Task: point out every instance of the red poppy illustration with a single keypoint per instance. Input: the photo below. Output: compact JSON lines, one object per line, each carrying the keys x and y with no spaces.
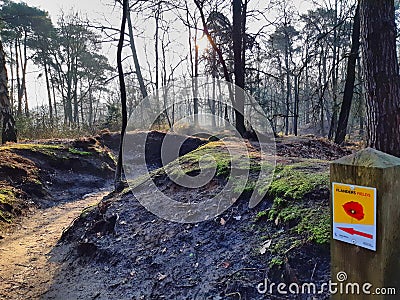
{"x":354,"y":210}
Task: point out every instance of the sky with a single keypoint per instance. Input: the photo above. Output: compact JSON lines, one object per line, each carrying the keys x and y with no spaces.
{"x":104,"y":11}
{"x":95,"y":9}
{"x":99,"y":10}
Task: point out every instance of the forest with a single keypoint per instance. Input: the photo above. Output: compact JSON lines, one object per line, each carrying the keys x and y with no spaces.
{"x":298,"y":64}
{"x":189,"y":149}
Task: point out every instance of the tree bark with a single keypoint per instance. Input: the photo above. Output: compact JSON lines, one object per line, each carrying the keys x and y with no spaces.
{"x":12,"y":78}
{"x":19,"y":97}
{"x":238,"y":56}
{"x":8,"y":130}
{"x":335,"y":75}
{"x":296,"y":105}
{"x":195,"y":83}
{"x":46,"y":73}
{"x":212,"y":106}
{"x":381,"y":69}
{"x":75,"y":92}
{"x":119,"y":182}
{"x":24,"y":65}
{"x":53,"y":88}
{"x":135,"y":58}
{"x":350,"y":79}
{"x":288,"y":87}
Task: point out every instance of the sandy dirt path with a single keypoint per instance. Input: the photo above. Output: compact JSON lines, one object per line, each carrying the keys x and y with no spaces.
{"x":30,"y":257}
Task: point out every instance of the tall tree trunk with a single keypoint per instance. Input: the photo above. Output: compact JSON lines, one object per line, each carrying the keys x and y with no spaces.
{"x":361,"y":104}
{"x":322,"y":78}
{"x":195,"y":83}
{"x":335,"y":75}
{"x":165,"y":87}
{"x":69,"y":87}
{"x":307,"y":102}
{"x":135,"y":58}
{"x":68,"y":100}
{"x":237,"y":37}
{"x":24,"y":68}
{"x":157,"y":19}
{"x":8,"y":130}
{"x":12,"y":78}
{"x":381,"y":69}
{"x":46,"y":73}
{"x":157,"y":54}
{"x":213,"y":74}
{"x":296,"y":105}
{"x":19,"y":96}
{"x":119,"y":182}
{"x":288,"y":90}
{"x":350,"y":79}
{"x":75,"y":97}
{"x":75,"y":90}
{"x":54,"y":99}
{"x":90,"y":117}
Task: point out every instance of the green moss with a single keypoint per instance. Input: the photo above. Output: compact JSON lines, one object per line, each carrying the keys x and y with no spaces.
{"x":35,"y":181}
{"x":261,"y":215}
{"x":303,"y":218}
{"x":216,"y":156}
{"x":276,"y":261}
{"x":79,"y":152}
{"x":7,"y":196}
{"x":316,"y":225}
{"x":5,"y":216}
{"x":289,"y":189}
{"x":297,"y":180}
{"x":85,"y":212}
{"x":52,"y":151}
{"x":210,"y":156}
{"x":134,"y":183}
{"x":309,"y":222}
{"x":33,"y":147}
{"x":111,"y":156}
{"x":6,"y":192}
{"x":7,"y":199}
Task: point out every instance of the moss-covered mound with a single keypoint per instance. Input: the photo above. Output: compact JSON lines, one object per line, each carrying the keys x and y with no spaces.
{"x":300,"y":207}
{"x":286,"y":234}
{"x":298,"y":193}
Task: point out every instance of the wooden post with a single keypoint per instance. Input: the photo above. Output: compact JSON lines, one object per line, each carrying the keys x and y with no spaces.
{"x":380,"y":268}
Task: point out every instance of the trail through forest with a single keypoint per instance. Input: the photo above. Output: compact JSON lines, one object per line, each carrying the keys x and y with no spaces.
{"x":119,"y":250}
{"x":30,"y":257}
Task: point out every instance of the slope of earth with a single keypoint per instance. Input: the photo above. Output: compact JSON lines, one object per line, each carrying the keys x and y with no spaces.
{"x":309,"y":147}
{"x":44,"y":186}
{"x":48,"y":173}
{"x":148,"y":145}
{"x":122,"y":251}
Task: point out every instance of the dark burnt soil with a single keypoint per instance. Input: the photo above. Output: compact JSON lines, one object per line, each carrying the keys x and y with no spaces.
{"x":292,"y":146}
{"x":144,"y":257}
{"x":309,"y":147}
{"x":122,"y":251}
{"x":149,"y":144}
